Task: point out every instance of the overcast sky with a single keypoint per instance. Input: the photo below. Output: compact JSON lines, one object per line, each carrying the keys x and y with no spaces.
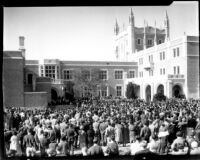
{"x":86,"y":33}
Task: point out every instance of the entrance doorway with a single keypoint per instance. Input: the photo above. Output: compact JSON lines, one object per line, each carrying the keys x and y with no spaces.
{"x":177,"y":91}
{"x":160,"y":89}
{"x":148,"y":94}
{"x":54,"y":95}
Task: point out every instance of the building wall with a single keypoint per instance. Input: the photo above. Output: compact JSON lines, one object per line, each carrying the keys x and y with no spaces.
{"x":193,"y":70}
{"x":43,"y":84}
{"x":111,"y":82}
{"x":35,"y":99}
{"x":188,"y":62}
{"x":13,"y":79}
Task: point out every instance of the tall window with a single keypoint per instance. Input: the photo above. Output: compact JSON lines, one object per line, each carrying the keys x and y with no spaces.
{"x":141,"y":74}
{"x":50,"y":71}
{"x":174,"y":70}
{"x":160,"y":55}
{"x":160,"y":71}
{"x":103,"y":75}
{"x":57,"y":71}
{"x":151,"y":58}
{"x":174,"y":51}
{"x":163,"y":55}
{"x":177,"y":50}
{"x":149,"y":42}
{"x":178,"y":70}
{"x":104,"y":91}
{"x":150,"y":72}
{"x":119,"y":91}
{"x":140,"y":60}
{"x":30,"y":78}
{"x":118,"y":74}
{"x":139,"y":41}
{"x":86,"y":74}
{"x":163,"y":70}
{"x":68,"y":74}
{"x":42,"y":71}
{"x":131,"y":74}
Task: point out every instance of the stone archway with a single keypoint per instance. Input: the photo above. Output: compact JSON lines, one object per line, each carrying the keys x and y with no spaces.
{"x":160,"y":89}
{"x":54,"y":95}
{"x":177,"y":91}
{"x":148,"y":93}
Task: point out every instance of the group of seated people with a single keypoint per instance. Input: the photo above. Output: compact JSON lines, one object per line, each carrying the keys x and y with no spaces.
{"x":104,"y":128}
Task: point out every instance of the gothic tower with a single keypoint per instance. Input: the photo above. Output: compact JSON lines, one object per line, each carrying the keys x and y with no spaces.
{"x":131,"y":30}
{"x":116,"y":28}
{"x":166,"y":24}
{"x":144,"y":38}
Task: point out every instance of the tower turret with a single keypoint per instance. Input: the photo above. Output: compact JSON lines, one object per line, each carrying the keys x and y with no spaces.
{"x":132,"y":32}
{"x":131,"y":19}
{"x":21,"y":45}
{"x":116,"y":28}
{"x":166,"y":24}
{"x":155,"y":36}
{"x":144,"y":38}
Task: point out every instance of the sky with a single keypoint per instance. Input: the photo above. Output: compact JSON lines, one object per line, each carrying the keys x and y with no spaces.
{"x":87,"y":33}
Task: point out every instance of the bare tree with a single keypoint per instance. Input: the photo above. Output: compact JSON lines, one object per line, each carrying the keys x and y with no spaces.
{"x":86,"y":82}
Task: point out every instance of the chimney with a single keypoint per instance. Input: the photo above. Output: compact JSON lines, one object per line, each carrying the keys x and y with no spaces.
{"x":21,"y":45}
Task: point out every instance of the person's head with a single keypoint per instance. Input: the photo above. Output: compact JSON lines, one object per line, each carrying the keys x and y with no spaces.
{"x":45,"y":134}
{"x":113,"y":138}
{"x":14,"y":133}
{"x":63,"y":138}
{"x":138,"y":138}
{"x":194,"y":145}
{"x":154,"y":137}
{"x":179,"y":134}
{"x":143,"y":144}
{"x":146,"y":122}
{"x":95,"y":140}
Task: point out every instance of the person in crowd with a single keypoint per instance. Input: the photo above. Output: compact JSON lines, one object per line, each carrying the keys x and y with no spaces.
{"x":195,"y":149}
{"x":145,"y":153}
{"x":180,"y":145}
{"x":44,"y":143}
{"x":102,"y":128}
{"x":135,"y":146}
{"x":112,"y":147}
{"x":70,"y":133}
{"x":63,"y":148}
{"x":83,"y":141}
{"x":109,"y":132}
{"x":153,"y":145}
{"x":118,"y":132}
{"x":96,"y":149}
{"x":145,"y":131}
{"x":29,"y":143}
{"x":14,"y":144}
{"x":51,"y":151}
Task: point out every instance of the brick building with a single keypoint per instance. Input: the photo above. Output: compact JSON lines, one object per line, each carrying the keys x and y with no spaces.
{"x":38,"y":84}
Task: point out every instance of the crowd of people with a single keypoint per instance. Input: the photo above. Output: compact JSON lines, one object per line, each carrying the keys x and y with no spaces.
{"x":102,"y":127}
